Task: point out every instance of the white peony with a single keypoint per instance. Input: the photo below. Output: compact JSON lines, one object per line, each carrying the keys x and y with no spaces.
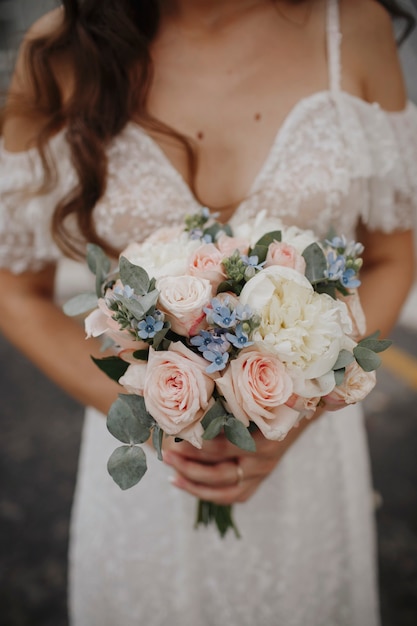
{"x":162,"y":258}
{"x":306,"y":330}
{"x":253,"y":230}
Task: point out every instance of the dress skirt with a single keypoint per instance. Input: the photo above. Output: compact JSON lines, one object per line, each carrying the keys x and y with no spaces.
{"x":306,"y":556}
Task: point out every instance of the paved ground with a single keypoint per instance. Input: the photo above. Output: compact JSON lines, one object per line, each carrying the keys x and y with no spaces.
{"x":38,"y":454}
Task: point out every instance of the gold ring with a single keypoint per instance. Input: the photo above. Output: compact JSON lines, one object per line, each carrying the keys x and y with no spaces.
{"x":240,"y":476}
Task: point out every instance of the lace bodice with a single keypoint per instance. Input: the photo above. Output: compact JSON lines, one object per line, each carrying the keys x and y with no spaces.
{"x":335,"y":160}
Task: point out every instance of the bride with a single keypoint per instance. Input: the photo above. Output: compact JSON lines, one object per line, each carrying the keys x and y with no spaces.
{"x":123,"y":116}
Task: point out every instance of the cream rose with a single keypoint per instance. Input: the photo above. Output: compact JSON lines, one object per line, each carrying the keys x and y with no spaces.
{"x":281,"y":253}
{"x":256,"y":387}
{"x":162,"y":258}
{"x":182,"y":298}
{"x":304,"y":329}
{"x":176,"y":389}
{"x":206,"y":262}
{"x":298,"y":238}
{"x":356,"y":385}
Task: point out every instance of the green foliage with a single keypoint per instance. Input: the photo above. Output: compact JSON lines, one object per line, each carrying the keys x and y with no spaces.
{"x":134,"y":276}
{"x":83,"y":303}
{"x":339,"y":375}
{"x":113,"y":366}
{"x":127,"y":465}
{"x":129,"y":421}
{"x":366,"y":358}
{"x":99,"y":264}
{"x":267,"y":239}
{"x":344,"y":359}
{"x":157,"y":438}
{"x":216,"y":228}
{"x":238,"y":434}
{"x":316,"y":263}
{"x":221,"y":515}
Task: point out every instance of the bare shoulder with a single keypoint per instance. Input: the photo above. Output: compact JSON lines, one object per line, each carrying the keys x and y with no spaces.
{"x":369,"y":44}
{"x":20,"y":129}
{"x":46,"y":24}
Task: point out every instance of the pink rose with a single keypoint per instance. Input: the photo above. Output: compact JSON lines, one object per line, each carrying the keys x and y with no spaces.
{"x":176,"y":388}
{"x":206,"y":262}
{"x":305,"y":406}
{"x":355,"y":387}
{"x":256,"y":387}
{"x":183,"y":298}
{"x":227,"y":245}
{"x":281,"y":253}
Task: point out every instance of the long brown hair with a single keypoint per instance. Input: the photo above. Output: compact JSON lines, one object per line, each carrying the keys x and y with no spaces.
{"x":108,"y":43}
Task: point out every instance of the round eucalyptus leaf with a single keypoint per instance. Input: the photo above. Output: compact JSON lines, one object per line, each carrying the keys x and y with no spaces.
{"x":123,"y":424}
{"x":127,"y":465}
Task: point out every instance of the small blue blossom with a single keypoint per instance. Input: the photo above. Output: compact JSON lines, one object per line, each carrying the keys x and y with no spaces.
{"x":206,"y":341}
{"x":218,"y":360}
{"x":252,"y":261}
{"x":240,"y":339}
{"x":243,"y":312}
{"x":337,"y":242}
{"x":225,"y":318}
{"x":196,"y":233}
{"x":207,"y":239}
{"x":354,"y":249}
{"x":336,"y":266}
{"x":349,"y":279}
{"x":148,"y":327}
{"x":126,"y":291}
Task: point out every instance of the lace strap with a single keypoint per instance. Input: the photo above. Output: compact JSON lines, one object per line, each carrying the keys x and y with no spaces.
{"x":334,"y":38}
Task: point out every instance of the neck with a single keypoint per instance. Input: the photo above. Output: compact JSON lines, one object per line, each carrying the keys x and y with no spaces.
{"x":207,"y":14}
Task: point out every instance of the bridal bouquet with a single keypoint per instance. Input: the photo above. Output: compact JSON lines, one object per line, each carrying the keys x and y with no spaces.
{"x":217,"y":330}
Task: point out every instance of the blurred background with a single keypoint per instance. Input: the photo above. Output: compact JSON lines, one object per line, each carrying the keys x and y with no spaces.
{"x":41,"y":429}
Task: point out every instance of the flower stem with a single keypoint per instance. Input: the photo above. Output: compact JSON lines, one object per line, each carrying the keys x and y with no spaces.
{"x":221,"y":515}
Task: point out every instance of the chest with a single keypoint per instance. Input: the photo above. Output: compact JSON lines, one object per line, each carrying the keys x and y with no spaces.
{"x":230,"y":96}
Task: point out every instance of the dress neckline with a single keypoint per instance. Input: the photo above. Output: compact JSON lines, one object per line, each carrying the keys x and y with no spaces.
{"x":294,"y":115}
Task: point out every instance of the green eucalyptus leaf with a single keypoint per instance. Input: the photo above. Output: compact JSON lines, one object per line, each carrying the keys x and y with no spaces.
{"x":217,"y":228}
{"x":238,"y":434}
{"x":149,"y":300}
{"x":316,"y":263}
{"x":157,"y":438}
{"x":141,"y":355}
{"x":80,"y":304}
{"x":343,"y":360}
{"x":339,"y":375}
{"x":160,"y":336}
{"x":138,"y":407}
{"x":113,"y":366}
{"x":126,"y":426}
{"x":259,"y":251}
{"x":268,"y":238}
{"x":214,"y":428}
{"x":127,"y":465}
{"x":97,"y":260}
{"x":326,"y":287}
{"x":376,"y":345}
{"x":215,"y":411}
{"x":134,"y":276}
{"x":367,"y":359}
{"x":229,"y":285}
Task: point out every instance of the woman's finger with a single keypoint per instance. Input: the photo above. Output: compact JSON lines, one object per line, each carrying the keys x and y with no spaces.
{"x":224,"y":474}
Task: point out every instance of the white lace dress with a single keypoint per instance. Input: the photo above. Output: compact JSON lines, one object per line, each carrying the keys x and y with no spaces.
{"x":307,"y":553}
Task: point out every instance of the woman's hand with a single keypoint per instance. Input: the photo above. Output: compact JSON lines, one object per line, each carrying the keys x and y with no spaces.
{"x":223,"y":473}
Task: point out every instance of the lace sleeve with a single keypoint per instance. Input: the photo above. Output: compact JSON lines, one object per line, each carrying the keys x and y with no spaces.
{"x":26,"y":242}
{"x":392,"y":193}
